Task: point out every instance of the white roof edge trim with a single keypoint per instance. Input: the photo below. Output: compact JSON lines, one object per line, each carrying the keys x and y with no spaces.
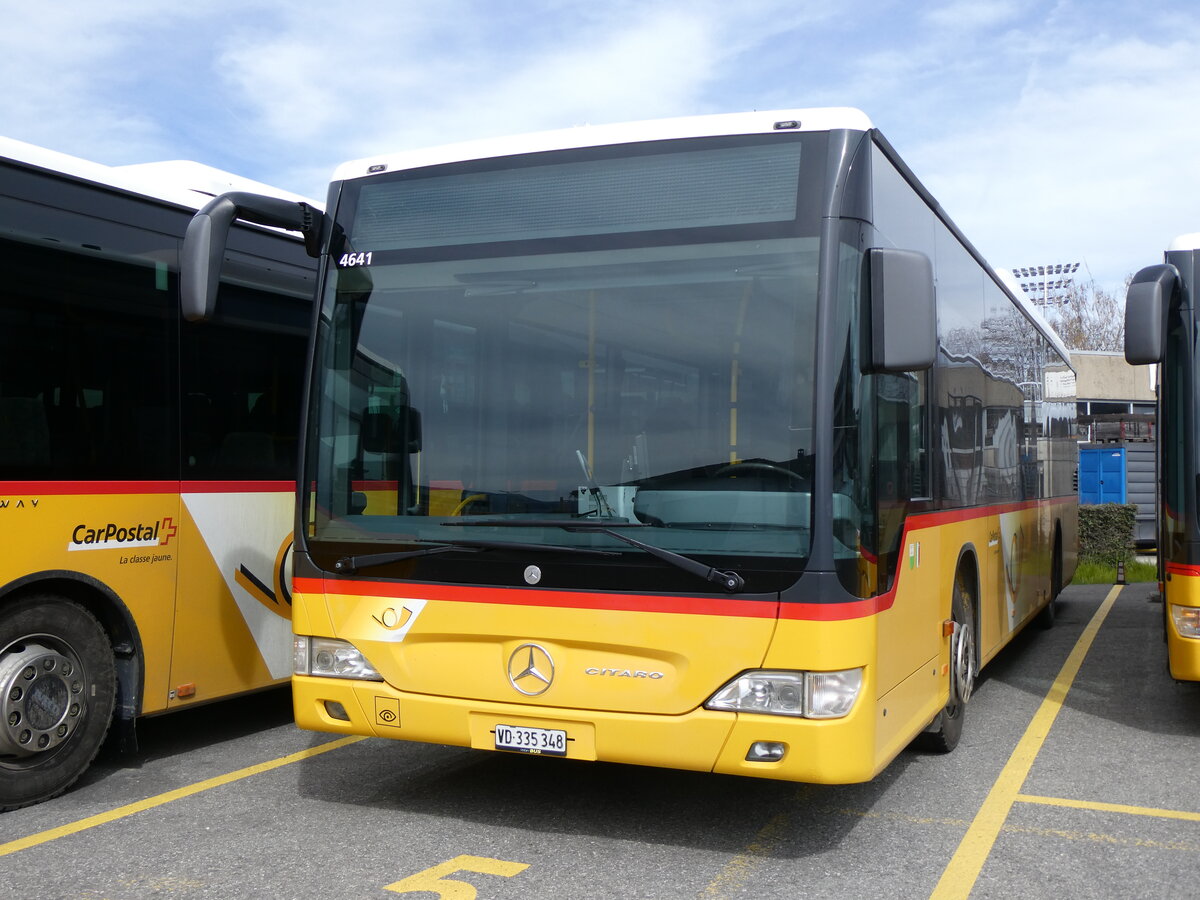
{"x":817,"y":119}
{"x":1189,"y":241}
{"x":1014,"y":288}
{"x":184,"y":182}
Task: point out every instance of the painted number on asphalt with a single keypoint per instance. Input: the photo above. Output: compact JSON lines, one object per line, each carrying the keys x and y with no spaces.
{"x":434,"y":880}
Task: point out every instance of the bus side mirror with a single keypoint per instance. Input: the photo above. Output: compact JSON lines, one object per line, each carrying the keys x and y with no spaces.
{"x":1146,"y":307}
{"x":903,"y":311}
{"x":204,"y":242}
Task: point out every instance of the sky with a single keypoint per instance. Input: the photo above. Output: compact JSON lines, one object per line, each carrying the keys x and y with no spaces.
{"x":1051,"y":131}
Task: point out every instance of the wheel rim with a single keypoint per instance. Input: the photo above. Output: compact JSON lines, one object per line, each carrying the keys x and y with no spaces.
{"x":962,"y":663}
{"x":43,"y":687}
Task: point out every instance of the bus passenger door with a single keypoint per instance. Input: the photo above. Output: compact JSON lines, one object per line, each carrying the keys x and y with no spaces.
{"x":239,"y":424}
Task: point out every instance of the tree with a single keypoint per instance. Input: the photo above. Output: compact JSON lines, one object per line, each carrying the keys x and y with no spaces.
{"x":1090,"y":318}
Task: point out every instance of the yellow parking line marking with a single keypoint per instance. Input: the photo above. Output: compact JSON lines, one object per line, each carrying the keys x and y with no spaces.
{"x":963,"y":870}
{"x":1107,"y":840}
{"x":121,"y":812}
{"x":1111,"y":807}
{"x":739,"y":869}
{"x":1063,"y":834}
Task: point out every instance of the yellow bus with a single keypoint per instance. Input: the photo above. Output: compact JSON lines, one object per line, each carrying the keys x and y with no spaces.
{"x":705,"y":443}
{"x":1160,"y":327}
{"x":147,"y":466}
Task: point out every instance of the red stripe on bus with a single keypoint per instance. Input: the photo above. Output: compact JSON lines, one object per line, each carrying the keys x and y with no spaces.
{"x":237,"y":487}
{"x":813,"y":612}
{"x":704,"y":606}
{"x":871,"y":606}
{"x":825,"y":612}
{"x":1183,"y":569}
{"x":89,"y":487}
{"x":951,"y":516}
{"x":86,"y":488}
{"x":837,"y":612}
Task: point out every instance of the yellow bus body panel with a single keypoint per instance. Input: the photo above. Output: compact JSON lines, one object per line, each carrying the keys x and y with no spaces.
{"x":176,"y":562}
{"x":50,"y":535}
{"x":604,"y":659}
{"x":630,"y":683}
{"x":1183,"y":653}
{"x":233,"y":616}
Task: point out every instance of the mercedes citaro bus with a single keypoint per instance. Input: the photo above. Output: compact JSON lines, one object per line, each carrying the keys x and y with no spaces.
{"x":707,"y":443}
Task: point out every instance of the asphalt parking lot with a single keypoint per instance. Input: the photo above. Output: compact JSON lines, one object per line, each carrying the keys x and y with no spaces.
{"x":1078,"y":776}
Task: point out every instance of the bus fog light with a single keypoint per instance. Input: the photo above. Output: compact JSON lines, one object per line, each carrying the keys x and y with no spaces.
{"x":831,"y":695}
{"x":766,"y":751}
{"x":336,"y":711}
{"x":330,"y":658}
{"x":1187,"y":620}
{"x":773,"y":693}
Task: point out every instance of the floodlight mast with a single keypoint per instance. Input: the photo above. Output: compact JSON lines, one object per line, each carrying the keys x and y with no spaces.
{"x":1047,"y":284}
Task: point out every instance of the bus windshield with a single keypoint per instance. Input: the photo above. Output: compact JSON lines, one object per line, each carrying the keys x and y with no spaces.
{"x":620,"y":334}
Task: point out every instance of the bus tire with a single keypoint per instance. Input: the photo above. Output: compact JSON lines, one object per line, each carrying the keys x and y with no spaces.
{"x":943,"y":734}
{"x":1046,"y":615}
{"x":57,"y":692}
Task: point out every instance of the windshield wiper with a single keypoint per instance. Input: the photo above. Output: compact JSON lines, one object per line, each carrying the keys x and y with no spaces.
{"x":569,"y":524}
{"x":731,"y":581}
{"x":350,"y":564}
{"x":354,"y":563}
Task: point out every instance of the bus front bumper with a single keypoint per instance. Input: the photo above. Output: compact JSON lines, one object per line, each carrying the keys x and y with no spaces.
{"x":837,"y":751}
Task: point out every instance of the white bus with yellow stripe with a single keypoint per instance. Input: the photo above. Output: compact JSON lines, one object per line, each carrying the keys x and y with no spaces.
{"x":147,"y":465}
{"x":705,"y":443}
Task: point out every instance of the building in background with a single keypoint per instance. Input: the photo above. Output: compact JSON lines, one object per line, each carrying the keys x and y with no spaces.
{"x":1116,"y":416}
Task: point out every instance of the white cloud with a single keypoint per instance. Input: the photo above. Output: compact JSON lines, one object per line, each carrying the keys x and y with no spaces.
{"x":1095,"y":160}
{"x":115,"y":82}
{"x":374,"y":77}
{"x":1048,"y":129}
{"x":973,"y":15}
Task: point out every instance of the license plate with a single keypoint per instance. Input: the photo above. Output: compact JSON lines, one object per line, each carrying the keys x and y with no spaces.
{"x":541,"y":741}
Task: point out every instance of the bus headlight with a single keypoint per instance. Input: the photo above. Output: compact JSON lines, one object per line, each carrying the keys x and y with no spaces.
{"x":331,"y":658}
{"x":810,"y":695}
{"x":1187,"y":620}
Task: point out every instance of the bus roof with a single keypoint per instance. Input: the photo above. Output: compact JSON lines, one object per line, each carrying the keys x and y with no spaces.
{"x":603,"y":135}
{"x":183,"y":182}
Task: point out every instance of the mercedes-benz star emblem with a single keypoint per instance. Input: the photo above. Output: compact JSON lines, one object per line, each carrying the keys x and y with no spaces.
{"x":530,"y":669}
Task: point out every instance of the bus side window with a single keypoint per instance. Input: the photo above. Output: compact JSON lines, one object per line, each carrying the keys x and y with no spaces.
{"x":24,"y":434}
{"x":240,"y":420}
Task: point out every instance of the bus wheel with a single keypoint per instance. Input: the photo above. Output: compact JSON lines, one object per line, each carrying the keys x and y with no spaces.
{"x":944,"y":733}
{"x":57,"y":691}
{"x":1045,"y":616}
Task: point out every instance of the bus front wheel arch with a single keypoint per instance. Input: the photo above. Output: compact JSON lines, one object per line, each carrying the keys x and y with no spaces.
{"x":57,"y":694}
{"x":945,"y":731}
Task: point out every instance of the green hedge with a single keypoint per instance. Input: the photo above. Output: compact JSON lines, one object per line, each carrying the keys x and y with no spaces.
{"x":1106,"y":532}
